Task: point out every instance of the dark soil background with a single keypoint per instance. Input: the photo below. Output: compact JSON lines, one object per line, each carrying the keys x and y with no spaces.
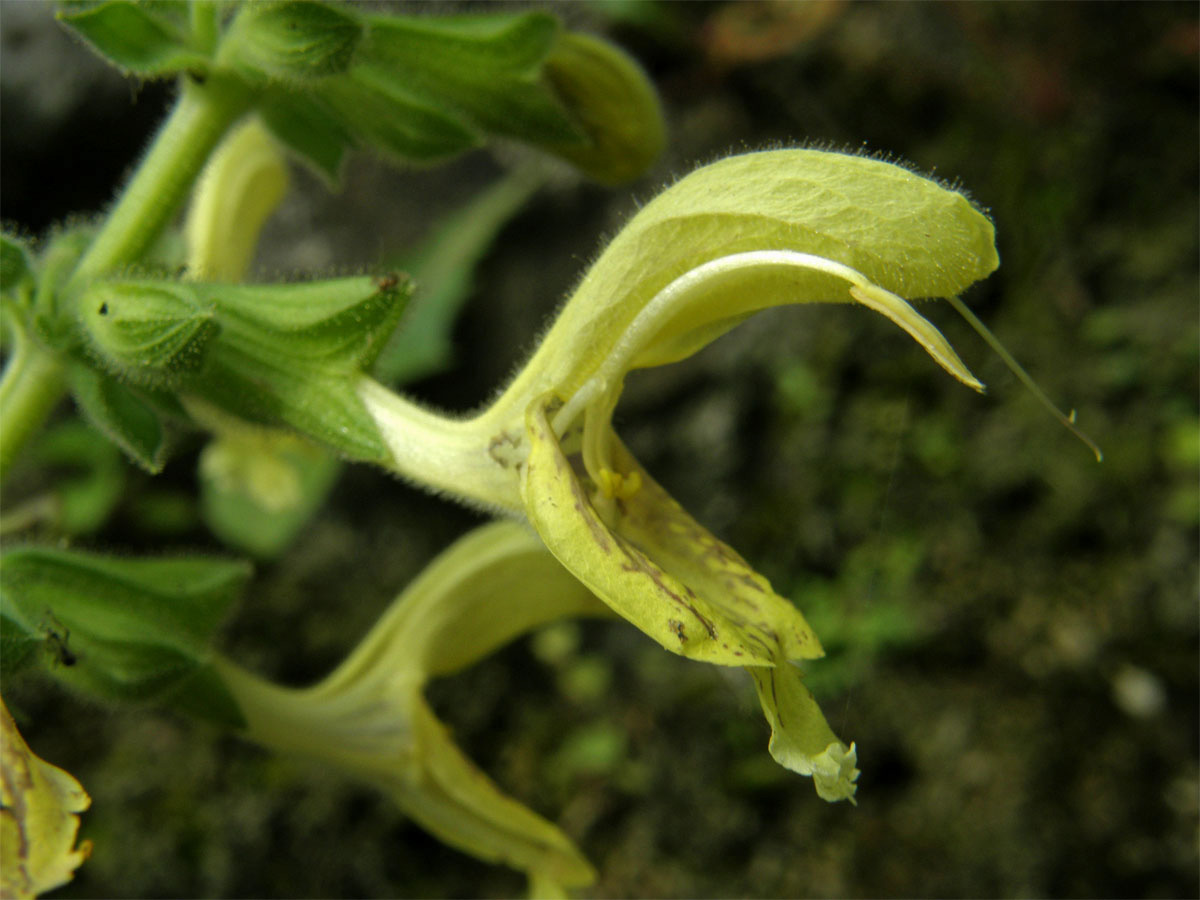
{"x":1012,"y":628}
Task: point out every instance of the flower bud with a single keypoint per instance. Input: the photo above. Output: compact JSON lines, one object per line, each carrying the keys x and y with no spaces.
{"x":613,"y":101}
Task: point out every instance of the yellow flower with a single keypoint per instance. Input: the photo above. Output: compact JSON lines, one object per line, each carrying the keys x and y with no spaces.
{"x":369,"y":718}
{"x":741,"y":235}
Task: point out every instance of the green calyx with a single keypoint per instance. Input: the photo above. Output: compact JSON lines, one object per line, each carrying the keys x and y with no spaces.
{"x":292,"y":41}
{"x":282,"y":355}
{"x":152,"y":334}
{"x":327,"y":78}
{"x":121,"y":630}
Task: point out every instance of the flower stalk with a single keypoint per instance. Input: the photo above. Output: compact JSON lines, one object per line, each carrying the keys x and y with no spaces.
{"x":30,"y":388}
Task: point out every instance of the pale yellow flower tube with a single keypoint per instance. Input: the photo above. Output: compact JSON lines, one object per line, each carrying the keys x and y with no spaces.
{"x":369,"y":718}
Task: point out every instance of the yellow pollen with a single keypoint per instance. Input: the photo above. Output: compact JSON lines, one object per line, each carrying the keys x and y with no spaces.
{"x":614,"y":484}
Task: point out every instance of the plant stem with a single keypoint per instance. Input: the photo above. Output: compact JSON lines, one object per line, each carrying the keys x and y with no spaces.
{"x":31,"y":387}
{"x":201,"y":117}
{"x":33,"y":380}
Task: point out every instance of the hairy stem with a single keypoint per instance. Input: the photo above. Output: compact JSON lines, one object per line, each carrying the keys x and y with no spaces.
{"x":201,"y":117}
{"x":33,"y":380}
{"x":29,"y":390}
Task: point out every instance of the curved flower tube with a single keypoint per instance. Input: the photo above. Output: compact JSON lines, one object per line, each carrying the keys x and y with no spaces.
{"x":741,"y":235}
{"x":369,"y":717}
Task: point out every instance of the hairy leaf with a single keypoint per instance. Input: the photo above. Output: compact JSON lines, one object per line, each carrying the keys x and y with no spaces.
{"x":16,"y":263}
{"x":140,"y":38}
{"x":122,"y":413}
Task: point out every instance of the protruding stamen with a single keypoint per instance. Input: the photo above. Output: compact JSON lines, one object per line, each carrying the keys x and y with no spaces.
{"x":621,"y":487}
{"x":1067,"y":419}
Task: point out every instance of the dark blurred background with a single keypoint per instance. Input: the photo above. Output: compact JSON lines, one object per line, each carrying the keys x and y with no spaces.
{"x":1012,"y":628}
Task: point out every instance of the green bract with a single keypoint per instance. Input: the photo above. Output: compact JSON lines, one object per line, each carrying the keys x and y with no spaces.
{"x":141,"y":38}
{"x":744,"y":234}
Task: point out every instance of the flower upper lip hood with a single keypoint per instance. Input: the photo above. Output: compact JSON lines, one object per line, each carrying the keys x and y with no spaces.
{"x":904,"y":233}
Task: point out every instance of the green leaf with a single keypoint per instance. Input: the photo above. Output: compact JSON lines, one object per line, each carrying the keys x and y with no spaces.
{"x":90,"y":478}
{"x":127,"y":630}
{"x":442,"y":271}
{"x":292,"y":41}
{"x":16,"y":263}
{"x":308,"y":129}
{"x":17,"y":645}
{"x":122,"y":413}
{"x":52,"y":320}
{"x":149,"y":333}
{"x":385,"y":116}
{"x":138,"y":38}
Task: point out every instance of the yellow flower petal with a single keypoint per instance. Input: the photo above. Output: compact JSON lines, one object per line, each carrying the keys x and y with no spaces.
{"x":38,"y":818}
{"x":655,"y":565}
{"x":459,"y":804}
{"x":909,"y":235}
{"x":240,"y":187}
{"x":801,"y":739}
